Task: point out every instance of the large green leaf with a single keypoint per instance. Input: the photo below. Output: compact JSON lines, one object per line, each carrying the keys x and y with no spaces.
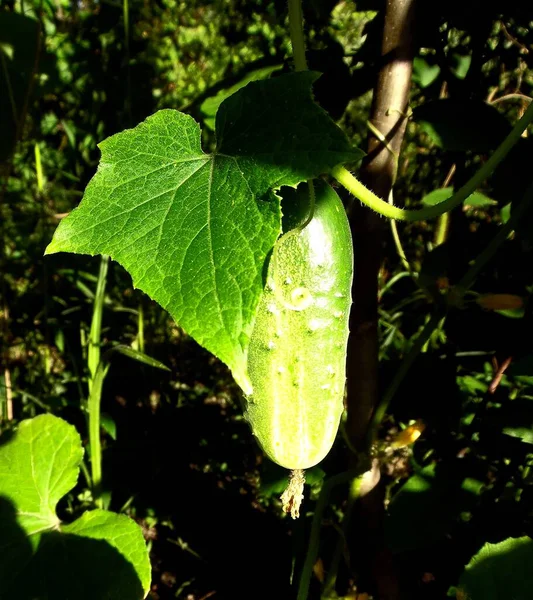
{"x":194,"y":230}
{"x":100,"y":555}
{"x":500,"y":572}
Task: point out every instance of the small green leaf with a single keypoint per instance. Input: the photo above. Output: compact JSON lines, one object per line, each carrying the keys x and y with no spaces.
{"x":461,"y":65}
{"x":505,"y":213}
{"x":437,"y":196}
{"x":512,"y":313}
{"x":109,"y":425}
{"x":424,"y":73}
{"x":195,"y":230}
{"x":100,"y":555}
{"x":473,"y":386}
{"x":500,"y":571}
{"x":479,"y":200}
{"x":475,"y":200}
{"x":139,"y":356}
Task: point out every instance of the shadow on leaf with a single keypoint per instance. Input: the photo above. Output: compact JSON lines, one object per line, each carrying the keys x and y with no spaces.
{"x":61,"y":566}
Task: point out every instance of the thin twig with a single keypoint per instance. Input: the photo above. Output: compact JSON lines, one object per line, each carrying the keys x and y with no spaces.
{"x":499,"y":372}
{"x":515,"y":96}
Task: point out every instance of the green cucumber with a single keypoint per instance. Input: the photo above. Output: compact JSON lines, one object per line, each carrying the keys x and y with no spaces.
{"x":297,"y":353}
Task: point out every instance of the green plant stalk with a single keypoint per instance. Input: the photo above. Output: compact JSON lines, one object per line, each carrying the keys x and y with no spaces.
{"x":140,"y":328}
{"x":97,"y":373}
{"x":393,"y":226}
{"x":314,"y":538}
{"x":95,"y":445}
{"x":399,"y":247}
{"x":398,"y":242}
{"x":126,"y":17}
{"x":331,"y":579}
{"x":93,"y":355}
{"x":385,"y":288}
{"x":40,"y":189}
{"x":296,"y":29}
{"x":86,"y":474}
{"x":39,"y":169}
{"x":364,"y":195}
{"x":442,"y":228}
{"x":378,"y":135}
{"x":40,"y":198}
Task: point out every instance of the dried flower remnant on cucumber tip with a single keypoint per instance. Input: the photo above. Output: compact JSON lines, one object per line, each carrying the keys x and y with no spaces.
{"x":292,"y":497}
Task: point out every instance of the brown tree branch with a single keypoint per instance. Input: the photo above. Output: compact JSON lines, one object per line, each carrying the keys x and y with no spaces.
{"x":389,"y":107}
{"x":388,"y":116}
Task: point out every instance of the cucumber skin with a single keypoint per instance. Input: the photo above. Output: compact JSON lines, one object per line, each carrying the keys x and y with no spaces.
{"x":297,"y":353}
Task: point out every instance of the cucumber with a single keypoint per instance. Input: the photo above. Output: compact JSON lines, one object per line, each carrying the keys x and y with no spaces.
{"x":297,"y":353}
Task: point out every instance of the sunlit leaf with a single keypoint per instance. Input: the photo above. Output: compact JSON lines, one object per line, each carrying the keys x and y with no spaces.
{"x":193,"y":229}
{"x":100,"y":555}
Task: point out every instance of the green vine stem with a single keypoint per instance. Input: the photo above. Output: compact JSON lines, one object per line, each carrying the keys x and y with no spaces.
{"x":97,"y":373}
{"x":398,"y":243}
{"x":364,"y":195}
{"x":296,"y":29}
{"x":340,"y":548}
{"x":95,"y":397}
{"x":140,"y":327}
{"x":314,"y":538}
{"x":126,"y":18}
{"x":442,"y":227}
{"x":93,"y":355}
{"x":393,"y":226}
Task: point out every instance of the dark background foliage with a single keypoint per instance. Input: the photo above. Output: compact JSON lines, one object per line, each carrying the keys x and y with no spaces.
{"x":179,"y":458}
